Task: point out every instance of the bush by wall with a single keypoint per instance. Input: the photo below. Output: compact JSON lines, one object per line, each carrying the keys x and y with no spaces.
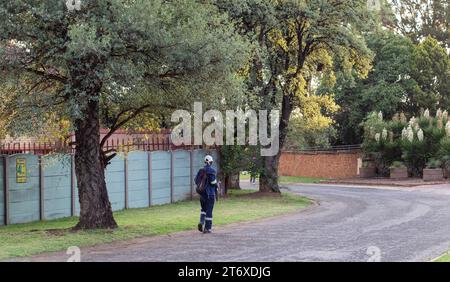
{"x":414,"y":142}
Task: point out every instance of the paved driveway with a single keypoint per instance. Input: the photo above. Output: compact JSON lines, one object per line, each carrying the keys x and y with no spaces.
{"x":348,"y":224}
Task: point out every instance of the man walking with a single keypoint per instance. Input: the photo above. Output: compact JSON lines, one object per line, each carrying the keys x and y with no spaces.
{"x":207,"y":175}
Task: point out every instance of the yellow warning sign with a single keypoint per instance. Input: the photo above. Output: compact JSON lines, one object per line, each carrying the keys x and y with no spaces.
{"x":21,"y":170}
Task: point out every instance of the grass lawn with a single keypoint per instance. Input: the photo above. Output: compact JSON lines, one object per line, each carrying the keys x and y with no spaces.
{"x":299,"y":179}
{"x":289,"y":179}
{"x":32,"y":238}
{"x":444,"y":258}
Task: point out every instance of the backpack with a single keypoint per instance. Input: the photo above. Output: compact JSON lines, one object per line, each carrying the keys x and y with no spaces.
{"x":201,"y":181}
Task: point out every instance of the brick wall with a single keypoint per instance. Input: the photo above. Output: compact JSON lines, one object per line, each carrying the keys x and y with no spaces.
{"x":336,"y":164}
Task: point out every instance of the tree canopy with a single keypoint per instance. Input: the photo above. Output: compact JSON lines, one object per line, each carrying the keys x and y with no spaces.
{"x":154,"y":53}
{"x":405,"y":78}
{"x":418,"y":19}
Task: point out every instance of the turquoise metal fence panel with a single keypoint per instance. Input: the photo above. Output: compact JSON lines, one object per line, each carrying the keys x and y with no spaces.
{"x":181,"y":175}
{"x":160,"y":178}
{"x":57,"y":186}
{"x":215,"y":156}
{"x":138,"y":195}
{"x":198,"y":160}
{"x":115,"y":182}
{"x":24,"y":198}
{"x":2,"y":195}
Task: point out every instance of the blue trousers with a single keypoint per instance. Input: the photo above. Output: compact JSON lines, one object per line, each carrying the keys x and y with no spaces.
{"x":207,"y":206}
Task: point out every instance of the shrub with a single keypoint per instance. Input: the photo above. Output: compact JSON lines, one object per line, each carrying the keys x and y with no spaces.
{"x":444,"y":152}
{"x":397,"y":164}
{"x":415,"y":152}
{"x":367,"y":163}
{"x":415,"y":142}
{"x":381,"y":143}
{"x":434,"y":163}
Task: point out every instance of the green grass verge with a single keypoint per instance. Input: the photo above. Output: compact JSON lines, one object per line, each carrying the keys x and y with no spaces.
{"x":289,"y":179}
{"x":444,"y":258}
{"x":32,"y":238}
{"x":299,"y":179}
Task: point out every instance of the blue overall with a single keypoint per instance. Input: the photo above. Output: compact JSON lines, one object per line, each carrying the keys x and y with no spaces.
{"x":208,"y":198}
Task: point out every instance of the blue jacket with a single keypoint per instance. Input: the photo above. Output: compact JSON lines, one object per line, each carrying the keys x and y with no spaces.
{"x":211,"y":182}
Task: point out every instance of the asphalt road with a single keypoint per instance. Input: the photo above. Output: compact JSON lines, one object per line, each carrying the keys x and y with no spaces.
{"x":347,"y":224}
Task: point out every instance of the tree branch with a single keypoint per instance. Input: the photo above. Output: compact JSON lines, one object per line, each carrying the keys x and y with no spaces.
{"x":47,"y":75}
{"x":135,"y":112}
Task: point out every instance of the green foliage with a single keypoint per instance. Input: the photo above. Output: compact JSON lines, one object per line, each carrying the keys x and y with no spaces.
{"x":405,"y":78}
{"x":383,"y":153}
{"x":397,"y":164}
{"x":421,"y":18}
{"x":234,"y":159}
{"x":387,"y":87}
{"x":379,"y":144}
{"x":367,"y":163}
{"x":434,"y":163}
{"x":296,"y":42}
{"x":303,"y":134}
{"x":135,"y":56}
{"x":444,"y":152}
{"x":415,"y":155}
{"x":433,"y":137}
{"x":415,"y":143}
{"x":431,"y":69}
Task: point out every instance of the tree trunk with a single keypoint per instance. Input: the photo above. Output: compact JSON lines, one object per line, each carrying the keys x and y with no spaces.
{"x":268,"y":180}
{"x":227,"y":184}
{"x":232,"y":182}
{"x":95,"y":208}
{"x":235,"y":181}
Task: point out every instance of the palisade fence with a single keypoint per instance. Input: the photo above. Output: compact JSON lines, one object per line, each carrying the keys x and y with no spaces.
{"x":150,"y":142}
{"x":44,"y":187}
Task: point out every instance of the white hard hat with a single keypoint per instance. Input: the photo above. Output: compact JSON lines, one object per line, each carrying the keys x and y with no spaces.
{"x":208,"y":159}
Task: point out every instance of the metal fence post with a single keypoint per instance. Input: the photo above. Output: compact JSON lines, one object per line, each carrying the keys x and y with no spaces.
{"x":72,"y":184}
{"x":149,"y":179}
{"x":171,"y":177}
{"x":41,"y":188}
{"x":6,"y":188}
{"x":126,"y":180}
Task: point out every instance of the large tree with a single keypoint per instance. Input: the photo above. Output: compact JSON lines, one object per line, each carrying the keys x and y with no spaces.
{"x":306,"y":132}
{"x":389,"y":87}
{"x":297,"y":42}
{"x":405,"y":78}
{"x":418,"y":19}
{"x":431,"y":69}
{"x":111,"y":60}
